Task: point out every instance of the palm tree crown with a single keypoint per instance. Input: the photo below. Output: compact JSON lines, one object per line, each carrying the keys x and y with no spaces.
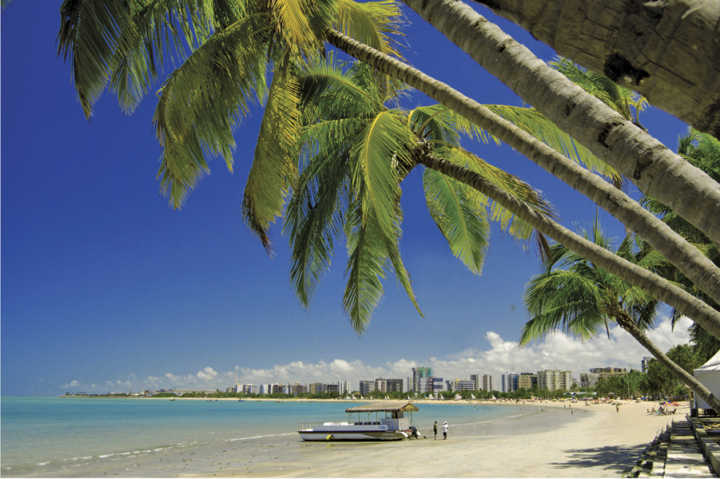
{"x":357,"y":147}
{"x":575,"y":295}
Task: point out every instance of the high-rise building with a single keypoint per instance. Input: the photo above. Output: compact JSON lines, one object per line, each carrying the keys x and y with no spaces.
{"x":461,"y":385}
{"x":607,"y":372}
{"x":435,"y":385}
{"x":250,"y":389}
{"x":394,"y":385}
{"x":554,"y":379}
{"x":420,"y":374}
{"x":475,"y":378}
{"x":381,"y":385}
{"x":527,"y":381}
{"x":296,"y":389}
{"x":317,"y":388}
{"x":333,"y":389}
{"x":487,"y":384}
{"x":510,"y":382}
{"x":366,"y":387}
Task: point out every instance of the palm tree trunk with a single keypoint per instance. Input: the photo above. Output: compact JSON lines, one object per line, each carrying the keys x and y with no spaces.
{"x":657,"y":286}
{"x":657,"y":171}
{"x":667,"y":50}
{"x":700,"y":389}
{"x":687,"y":258}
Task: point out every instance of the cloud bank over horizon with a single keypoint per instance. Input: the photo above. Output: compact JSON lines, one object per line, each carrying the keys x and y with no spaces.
{"x":555,"y":351}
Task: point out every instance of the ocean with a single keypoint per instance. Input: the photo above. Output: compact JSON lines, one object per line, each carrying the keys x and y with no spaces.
{"x":158,"y":437}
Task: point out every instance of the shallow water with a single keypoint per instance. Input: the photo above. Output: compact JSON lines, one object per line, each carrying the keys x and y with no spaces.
{"x":137,"y":437}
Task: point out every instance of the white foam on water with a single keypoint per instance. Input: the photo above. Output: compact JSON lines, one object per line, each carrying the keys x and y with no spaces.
{"x":260,"y":437}
{"x":104,"y":456}
{"x":43,"y":463}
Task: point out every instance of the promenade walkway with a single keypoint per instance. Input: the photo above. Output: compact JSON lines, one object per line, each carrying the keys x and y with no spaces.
{"x":675,"y":453}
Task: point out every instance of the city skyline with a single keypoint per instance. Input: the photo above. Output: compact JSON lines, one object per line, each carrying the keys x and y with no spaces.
{"x":567,"y":351}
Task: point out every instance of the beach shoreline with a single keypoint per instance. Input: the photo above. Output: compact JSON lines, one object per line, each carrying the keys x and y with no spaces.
{"x":524,"y":438}
{"x":599,"y":442}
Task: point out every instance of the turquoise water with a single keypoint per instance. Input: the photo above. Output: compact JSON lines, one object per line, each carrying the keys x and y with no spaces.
{"x":68,"y":436}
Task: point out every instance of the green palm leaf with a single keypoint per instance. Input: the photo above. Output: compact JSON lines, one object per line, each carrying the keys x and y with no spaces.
{"x":436,"y":123}
{"x":546,"y":131}
{"x":313,"y":218}
{"x":331,"y":93}
{"x":90,"y":32}
{"x":375,"y":24}
{"x":384,"y":145}
{"x":274,"y":169}
{"x":562,"y":300}
{"x":509,"y":183}
{"x":460,"y":215}
{"x":299,"y":21}
{"x":125,"y":42}
{"x":203,"y":99}
{"x":365,"y":270}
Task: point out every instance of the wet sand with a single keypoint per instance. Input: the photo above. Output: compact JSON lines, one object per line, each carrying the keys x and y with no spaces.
{"x":597,"y":442}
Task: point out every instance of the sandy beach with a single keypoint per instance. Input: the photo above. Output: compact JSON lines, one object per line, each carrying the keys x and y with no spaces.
{"x":599,"y":442}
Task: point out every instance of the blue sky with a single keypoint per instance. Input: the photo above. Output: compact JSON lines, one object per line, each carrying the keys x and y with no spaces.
{"x":103,"y":281}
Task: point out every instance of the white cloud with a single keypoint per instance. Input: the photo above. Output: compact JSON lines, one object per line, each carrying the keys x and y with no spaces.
{"x":555,"y":351}
{"x":206,"y":374}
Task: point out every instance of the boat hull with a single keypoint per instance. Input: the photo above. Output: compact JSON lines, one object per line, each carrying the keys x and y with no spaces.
{"x":352,"y":435}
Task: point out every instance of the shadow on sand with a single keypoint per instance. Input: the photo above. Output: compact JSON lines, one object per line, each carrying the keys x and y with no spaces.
{"x":612,"y":458}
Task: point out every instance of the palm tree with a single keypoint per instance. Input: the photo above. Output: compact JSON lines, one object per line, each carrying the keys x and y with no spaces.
{"x":200,"y":102}
{"x":703,"y":151}
{"x":576,"y":295}
{"x":636,"y":48}
{"x":576,"y":176}
{"x":357,"y":151}
{"x":372,"y":176}
{"x":226,"y":50}
{"x":656,"y":170}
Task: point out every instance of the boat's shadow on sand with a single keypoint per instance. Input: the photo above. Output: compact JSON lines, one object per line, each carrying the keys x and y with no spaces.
{"x":613,"y":458}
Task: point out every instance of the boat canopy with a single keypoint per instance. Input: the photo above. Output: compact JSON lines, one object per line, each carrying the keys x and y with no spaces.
{"x":384,"y":406}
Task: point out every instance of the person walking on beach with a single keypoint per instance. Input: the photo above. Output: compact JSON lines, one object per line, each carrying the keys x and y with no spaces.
{"x":444,"y":429}
{"x":435,"y":429}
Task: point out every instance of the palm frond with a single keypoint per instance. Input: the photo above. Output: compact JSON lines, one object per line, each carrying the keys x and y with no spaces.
{"x":274,"y":168}
{"x":546,"y":131}
{"x":125,"y":42}
{"x":376,"y":24}
{"x":313,"y":218}
{"x":563,"y":300}
{"x":384,"y":145}
{"x":204,"y":98}
{"x":392,"y":246}
{"x":366,"y":266}
{"x":509,"y":183}
{"x":335,"y":93}
{"x":461,"y":215}
{"x":90,"y":32}
{"x":291,"y":18}
{"x":435,"y":123}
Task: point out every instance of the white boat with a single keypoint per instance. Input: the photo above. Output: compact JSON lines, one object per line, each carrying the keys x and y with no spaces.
{"x":393,"y":425}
